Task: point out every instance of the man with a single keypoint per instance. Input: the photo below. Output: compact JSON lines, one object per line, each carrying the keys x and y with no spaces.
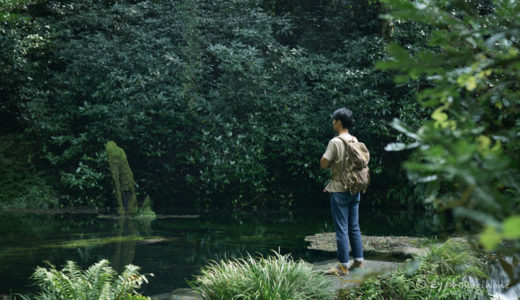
{"x":343,"y":205}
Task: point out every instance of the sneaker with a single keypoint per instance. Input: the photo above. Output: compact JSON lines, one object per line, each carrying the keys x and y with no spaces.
{"x":337,"y":270}
{"x":356,"y":265}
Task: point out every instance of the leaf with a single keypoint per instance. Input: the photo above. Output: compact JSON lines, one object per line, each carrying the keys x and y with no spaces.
{"x":399,"y":125}
{"x":400,"y":146}
{"x":439,"y":115}
{"x":471,"y":84}
{"x":484,"y":143}
{"x":395,"y":147}
{"x":511,"y":227}
{"x":490,"y":238}
{"x":468,"y":81}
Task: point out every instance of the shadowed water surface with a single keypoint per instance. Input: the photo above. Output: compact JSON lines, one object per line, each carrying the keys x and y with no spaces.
{"x":173,"y":248}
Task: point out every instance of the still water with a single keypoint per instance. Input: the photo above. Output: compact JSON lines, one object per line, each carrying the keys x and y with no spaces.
{"x":173,"y":247}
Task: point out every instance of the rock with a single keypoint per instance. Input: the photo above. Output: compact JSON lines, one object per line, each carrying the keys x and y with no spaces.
{"x":123,"y":179}
{"x":412,"y":251}
{"x":179,"y":294}
{"x":378,"y":246}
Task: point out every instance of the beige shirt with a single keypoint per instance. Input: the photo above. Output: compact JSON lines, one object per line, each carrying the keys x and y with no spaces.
{"x":335,"y":154}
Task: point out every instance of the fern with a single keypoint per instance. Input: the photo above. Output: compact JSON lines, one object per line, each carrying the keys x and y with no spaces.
{"x":100,"y":275}
{"x":97,"y":282}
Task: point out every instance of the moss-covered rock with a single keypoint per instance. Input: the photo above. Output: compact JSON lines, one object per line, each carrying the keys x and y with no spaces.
{"x":124,"y":188}
{"x":145,"y":212}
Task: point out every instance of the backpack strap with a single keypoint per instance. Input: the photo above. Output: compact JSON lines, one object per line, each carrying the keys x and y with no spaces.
{"x":345,"y":141}
{"x":352,"y":139}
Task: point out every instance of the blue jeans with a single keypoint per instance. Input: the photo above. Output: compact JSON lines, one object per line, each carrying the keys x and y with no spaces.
{"x":344,"y":207}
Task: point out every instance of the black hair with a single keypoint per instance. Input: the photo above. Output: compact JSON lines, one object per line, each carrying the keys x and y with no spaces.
{"x":345,"y":116}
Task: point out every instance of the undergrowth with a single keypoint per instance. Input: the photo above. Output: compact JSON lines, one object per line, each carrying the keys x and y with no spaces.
{"x":443,"y":273}
{"x":274,"y":277}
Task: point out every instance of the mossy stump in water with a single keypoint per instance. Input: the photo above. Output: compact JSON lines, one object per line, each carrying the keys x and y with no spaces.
{"x":123,"y":180}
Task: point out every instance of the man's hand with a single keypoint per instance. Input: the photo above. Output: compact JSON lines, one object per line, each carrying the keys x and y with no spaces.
{"x":324,"y":163}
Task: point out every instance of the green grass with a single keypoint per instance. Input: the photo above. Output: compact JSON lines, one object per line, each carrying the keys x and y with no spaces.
{"x":275,"y":277}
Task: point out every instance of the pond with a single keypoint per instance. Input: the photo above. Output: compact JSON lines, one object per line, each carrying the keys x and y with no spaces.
{"x":174,"y":247}
{"x":171,"y":247}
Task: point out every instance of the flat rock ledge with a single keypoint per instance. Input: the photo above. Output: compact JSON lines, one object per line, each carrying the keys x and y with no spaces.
{"x":179,"y":294}
{"x":399,"y":247}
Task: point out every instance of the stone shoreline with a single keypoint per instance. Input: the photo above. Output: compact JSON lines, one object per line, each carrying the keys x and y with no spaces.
{"x":397,"y":247}
{"x":354,"y":278}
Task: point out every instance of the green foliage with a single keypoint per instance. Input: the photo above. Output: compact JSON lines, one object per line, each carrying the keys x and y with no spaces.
{"x":509,"y":230}
{"x":226,"y":101}
{"x":9,"y":9}
{"x":443,"y":273}
{"x":145,"y":212}
{"x":468,"y":151}
{"x":99,"y":281}
{"x":453,"y":258}
{"x":23,"y":184}
{"x":274,"y":277}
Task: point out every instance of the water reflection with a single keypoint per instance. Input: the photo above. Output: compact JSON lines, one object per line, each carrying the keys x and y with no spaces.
{"x":125,"y":250}
{"x":175,"y":248}
{"x":171,"y":248}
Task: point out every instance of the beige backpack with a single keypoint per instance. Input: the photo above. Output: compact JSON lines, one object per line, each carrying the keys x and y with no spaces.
{"x":356,"y":160}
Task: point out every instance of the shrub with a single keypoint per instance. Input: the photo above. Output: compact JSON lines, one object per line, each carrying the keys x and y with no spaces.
{"x":23,"y":182}
{"x":443,"y":273}
{"x":467,"y":153}
{"x":145,"y":212}
{"x":99,"y":281}
{"x":259,"y":82}
{"x":274,"y":277}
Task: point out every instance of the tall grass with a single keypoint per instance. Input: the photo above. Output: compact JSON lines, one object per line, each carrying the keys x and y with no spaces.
{"x":99,"y":281}
{"x":452,"y":258}
{"x":275,"y":277}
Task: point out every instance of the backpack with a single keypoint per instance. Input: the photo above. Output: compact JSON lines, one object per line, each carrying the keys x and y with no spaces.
{"x":356,"y":160}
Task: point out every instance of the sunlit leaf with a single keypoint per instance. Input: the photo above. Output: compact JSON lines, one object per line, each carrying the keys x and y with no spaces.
{"x":490,"y":238}
{"x":439,"y":115}
{"x":511,"y":227}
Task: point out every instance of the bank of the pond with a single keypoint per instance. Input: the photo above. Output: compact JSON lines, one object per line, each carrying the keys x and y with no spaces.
{"x":371,"y":268}
{"x":436,"y":268}
{"x":383,"y":247}
{"x":173,"y":246}
{"x":393,"y":249}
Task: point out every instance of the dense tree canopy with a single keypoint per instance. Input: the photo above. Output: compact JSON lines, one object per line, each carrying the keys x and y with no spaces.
{"x":226,"y":103}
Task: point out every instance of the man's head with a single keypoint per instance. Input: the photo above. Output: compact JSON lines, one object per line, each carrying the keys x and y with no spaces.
{"x":343,"y":119}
